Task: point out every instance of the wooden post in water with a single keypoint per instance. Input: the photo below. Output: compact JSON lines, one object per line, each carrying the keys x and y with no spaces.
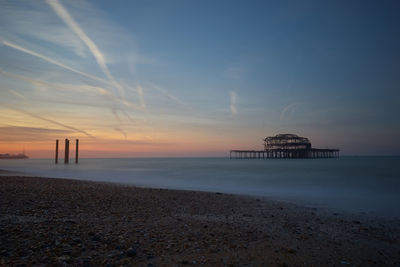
{"x":56,"y":160}
{"x":76,"y":151}
{"x":66,"y":156}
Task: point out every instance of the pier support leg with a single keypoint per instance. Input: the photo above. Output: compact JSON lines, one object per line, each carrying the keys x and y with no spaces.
{"x":76,"y":151}
{"x":56,"y":159}
{"x":66,"y":156}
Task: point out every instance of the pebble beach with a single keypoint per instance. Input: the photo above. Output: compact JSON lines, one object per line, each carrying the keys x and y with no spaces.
{"x":45,"y":221}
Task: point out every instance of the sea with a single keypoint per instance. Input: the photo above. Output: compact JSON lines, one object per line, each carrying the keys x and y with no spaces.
{"x":364,"y":185}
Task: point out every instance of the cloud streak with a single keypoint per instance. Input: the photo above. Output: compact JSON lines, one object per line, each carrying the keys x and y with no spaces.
{"x":167,"y":94}
{"x":233,"y":108}
{"x":16,"y":94}
{"x":67,"y":18}
{"x":139,"y":90}
{"x":74,"y":26}
{"x":25,"y":134}
{"x":52,"y":61}
{"x":118,"y":129}
{"x":287,"y":111}
{"x":32,"y":19}
{"x":61,"y":58}
{"x":51,"y":121}
{"x":100,"y":91}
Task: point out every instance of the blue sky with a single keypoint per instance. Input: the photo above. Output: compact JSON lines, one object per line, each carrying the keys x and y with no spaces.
{"x":168,"y":78}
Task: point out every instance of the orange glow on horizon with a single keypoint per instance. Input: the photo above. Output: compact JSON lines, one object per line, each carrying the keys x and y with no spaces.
{"x":98,"y":148}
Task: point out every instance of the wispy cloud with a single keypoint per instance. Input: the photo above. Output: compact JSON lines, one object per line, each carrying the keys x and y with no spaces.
{"x":127,"y":115}
{"x":164,"y":92}
{"x":16,"y":94}
{"x":50,"y":121}
{"x":31,"y":19}
{"x":233,"y":108}
{"x":78,"y":88}
{"x":65,"y":60}
{"x":100,"y":58}
{"x":26,"y":134}
{"x":118,"y":129}
{"x":141,"y":95}
{"x":34,"y":20}
{"x":75,"y":27}
{"x":288,"y":111}
{"x":50,"y":60}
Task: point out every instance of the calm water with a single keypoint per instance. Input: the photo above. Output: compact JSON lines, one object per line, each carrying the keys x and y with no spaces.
{"x":355,"y":184}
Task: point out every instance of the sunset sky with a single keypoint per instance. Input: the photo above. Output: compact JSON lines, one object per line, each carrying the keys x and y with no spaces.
{"x":198,"y":78}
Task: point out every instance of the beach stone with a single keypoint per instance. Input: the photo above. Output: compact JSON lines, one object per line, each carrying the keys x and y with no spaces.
{"x":64,"y":258}
{"x":115,"y":254}
{"x":67,"y":251}
{"x":4,"y":253}
{"x":131,"y":252}
{"x":86,"y":261}
{"x":209,"y":231}
{"x":96,"y":238}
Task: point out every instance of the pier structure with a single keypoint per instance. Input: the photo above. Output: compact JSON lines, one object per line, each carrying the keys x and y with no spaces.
{"x":285,"y":146}
{"x":56,"y":159}
{"x":66,"y":152}
{"x":76,"y":151}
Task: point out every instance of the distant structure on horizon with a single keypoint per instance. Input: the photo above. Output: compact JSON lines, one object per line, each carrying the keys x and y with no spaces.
{"x":288,"y":146}
{"x":13,"y":156}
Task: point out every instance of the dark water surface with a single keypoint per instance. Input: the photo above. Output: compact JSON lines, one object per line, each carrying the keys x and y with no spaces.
{"x":355,"y":184}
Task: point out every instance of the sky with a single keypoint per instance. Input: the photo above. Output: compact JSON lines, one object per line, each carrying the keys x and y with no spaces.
{"x":198,"y":78}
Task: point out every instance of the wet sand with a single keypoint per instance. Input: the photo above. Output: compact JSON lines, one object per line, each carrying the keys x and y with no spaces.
{"x":46,"y":221}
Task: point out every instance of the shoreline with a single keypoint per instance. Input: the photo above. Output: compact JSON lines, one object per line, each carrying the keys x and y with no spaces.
{"x":56,"y":221}
{"x":348,"y":185}
{"x":322,"y":210}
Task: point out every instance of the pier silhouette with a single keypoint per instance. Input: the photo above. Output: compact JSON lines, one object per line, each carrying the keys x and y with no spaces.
{"x":288,"y":146}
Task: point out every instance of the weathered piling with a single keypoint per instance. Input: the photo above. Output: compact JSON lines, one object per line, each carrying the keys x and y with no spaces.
{"x":76,"y":151}
{"x":56,"y":159}
{"x":66,"y":156}
{"x":313,"y":153}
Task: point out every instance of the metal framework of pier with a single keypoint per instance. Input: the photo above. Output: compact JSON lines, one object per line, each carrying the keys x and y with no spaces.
{"x":289,"y":146}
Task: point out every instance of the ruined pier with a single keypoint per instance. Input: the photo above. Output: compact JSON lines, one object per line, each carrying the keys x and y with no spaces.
{"x":287,"y":146}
